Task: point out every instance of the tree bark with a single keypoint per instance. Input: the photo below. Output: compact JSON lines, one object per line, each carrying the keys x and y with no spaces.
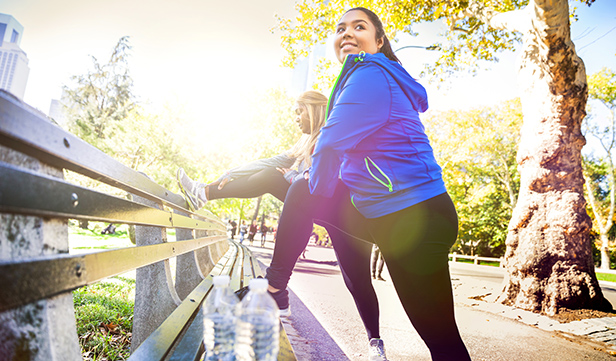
{"x":549,"y":257}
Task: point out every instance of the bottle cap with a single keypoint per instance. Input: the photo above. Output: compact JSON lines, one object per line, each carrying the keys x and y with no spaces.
{"x":258,"y":284}
{"x":222,"y":280}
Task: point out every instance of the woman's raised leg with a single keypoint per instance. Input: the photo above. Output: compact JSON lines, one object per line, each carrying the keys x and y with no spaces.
{"x":269,"y":180}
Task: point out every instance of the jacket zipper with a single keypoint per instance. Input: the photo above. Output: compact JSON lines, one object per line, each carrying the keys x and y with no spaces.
{"x":389,"y":184}
{"x":360,"y":57}
{"x":334,"y":88}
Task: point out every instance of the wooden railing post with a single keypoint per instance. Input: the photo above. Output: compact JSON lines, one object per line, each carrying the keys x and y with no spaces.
{"x":155,"y":295}
{"x":45,"y":329}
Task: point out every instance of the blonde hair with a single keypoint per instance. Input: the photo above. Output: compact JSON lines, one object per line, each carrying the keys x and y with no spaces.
{"x":316,"y":106}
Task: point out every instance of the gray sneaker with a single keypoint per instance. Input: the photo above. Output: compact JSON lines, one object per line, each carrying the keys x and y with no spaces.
{"x":193,"y":191}
{"x":377,"y":350}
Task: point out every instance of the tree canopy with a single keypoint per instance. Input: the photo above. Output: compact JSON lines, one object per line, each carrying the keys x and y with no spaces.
{"x":101,"y":98}
{"x":468,"y":40}
{"x":599,"y":166}
{"x":477,"y":150}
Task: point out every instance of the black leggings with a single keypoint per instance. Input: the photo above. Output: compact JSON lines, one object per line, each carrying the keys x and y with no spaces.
{"x":353,"y":257}
{"x":415,"y":243}
{"x":269,"y":180}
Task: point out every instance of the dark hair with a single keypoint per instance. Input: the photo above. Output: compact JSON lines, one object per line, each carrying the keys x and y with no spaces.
{"x":380,"y":33}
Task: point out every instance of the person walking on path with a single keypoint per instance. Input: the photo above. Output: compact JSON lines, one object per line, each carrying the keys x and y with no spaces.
{"x":273,"y":176}
{"x":243,"y":229}
{"x":233,"y":226}
{"x":252,"y":232}
{"x":263,"y":234}
{"x":373,"y":170}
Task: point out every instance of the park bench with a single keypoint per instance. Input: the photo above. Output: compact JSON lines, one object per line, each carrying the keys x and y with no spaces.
{"x":37,"y":275}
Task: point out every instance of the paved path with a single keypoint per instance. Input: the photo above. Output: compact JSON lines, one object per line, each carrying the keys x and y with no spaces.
{"x":325,"y":324}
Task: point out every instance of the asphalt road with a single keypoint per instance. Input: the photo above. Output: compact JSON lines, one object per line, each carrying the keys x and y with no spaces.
{"x":325,"y":325}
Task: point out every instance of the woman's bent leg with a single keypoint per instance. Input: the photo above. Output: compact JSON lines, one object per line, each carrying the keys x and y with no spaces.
{"x":345,"y":226}
{"x":269,"y":180}
{"x":354,"y":260}
{"x":415,"y":243}
{"x":295,"y":226}
{"x":294,"y":229}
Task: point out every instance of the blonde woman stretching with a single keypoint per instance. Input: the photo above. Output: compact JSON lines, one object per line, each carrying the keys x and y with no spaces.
{"x":270,"y":175}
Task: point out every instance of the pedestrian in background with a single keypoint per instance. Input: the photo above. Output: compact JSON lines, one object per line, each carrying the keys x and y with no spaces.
{"x":263,"y":234}
{"x":243,"y":229}
{"x":252,"y":231}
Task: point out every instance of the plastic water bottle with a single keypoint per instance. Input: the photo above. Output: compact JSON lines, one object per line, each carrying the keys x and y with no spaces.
{"x":258,"y":326}
{"x":219,"y":321}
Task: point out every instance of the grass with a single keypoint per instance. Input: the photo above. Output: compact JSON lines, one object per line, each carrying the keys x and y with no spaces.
{"x":606,"y":276}
{"x":104,"y":313}
{"x":483,"y":263}
{"x":81,"y":240}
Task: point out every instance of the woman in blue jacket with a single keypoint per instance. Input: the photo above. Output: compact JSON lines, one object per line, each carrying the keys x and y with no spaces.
{"x":373,"y":169}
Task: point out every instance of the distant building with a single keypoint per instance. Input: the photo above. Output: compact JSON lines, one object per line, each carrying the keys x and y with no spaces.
{"x":14,"y":68}
{"x":305,"y":70}
{"x":56,"y":112}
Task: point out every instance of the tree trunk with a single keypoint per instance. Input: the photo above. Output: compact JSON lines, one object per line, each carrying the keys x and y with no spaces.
{"x":256,"y":214}
{"x":549,"y":257}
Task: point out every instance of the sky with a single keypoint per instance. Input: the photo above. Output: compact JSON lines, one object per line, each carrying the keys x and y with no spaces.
{"x":210,"y":57}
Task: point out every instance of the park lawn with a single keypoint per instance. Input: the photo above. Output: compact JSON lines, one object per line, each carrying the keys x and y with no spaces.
{"x":606,"y":276}
{"x":609,"y":277}
{"x":483,"y":263}
{"x":90,"y":240}
{"x":104,"y":311}
{"x":104,"y":315}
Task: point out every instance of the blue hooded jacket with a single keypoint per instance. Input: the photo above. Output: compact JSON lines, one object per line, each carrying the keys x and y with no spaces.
{"x":374,"y":141}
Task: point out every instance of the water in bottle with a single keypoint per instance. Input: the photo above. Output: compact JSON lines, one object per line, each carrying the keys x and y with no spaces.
{"x":258,"y":326}
{"x":219,"y":321}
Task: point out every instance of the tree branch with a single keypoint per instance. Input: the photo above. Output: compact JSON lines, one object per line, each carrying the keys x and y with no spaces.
{"x":593,"y":206}
{"x":515,"y":20}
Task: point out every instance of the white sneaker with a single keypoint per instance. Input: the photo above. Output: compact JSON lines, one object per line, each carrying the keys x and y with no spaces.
{"x":193,"y":191}
{"x":376,"y":352}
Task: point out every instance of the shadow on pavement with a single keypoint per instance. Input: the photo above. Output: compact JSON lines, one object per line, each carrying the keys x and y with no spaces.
{"x":310,"y":341}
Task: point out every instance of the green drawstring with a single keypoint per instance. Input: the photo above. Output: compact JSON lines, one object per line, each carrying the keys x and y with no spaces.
{"x":389,"y":185}
{"x":360,"y":56}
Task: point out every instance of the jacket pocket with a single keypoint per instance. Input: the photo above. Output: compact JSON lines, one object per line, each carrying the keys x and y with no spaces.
{"x":378,"y":174}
